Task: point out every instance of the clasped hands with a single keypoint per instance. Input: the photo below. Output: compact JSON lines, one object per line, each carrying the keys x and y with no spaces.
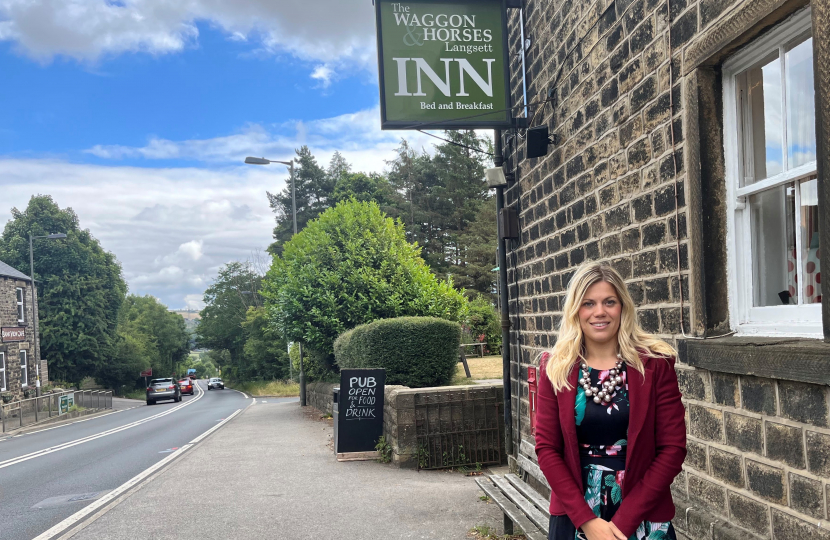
{"x":599,"y":529}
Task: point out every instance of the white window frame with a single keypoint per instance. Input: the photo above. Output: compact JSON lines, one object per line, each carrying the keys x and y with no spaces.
{"x":21,"y":308}
{"x":3,"y":372}
{"x":24,"y":367}
{"x":799,"y":320}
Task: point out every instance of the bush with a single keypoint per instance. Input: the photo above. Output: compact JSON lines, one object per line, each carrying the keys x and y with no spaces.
{"x":484,"y":323}
{"x":415,"y":351}
{"x":352,"y":266}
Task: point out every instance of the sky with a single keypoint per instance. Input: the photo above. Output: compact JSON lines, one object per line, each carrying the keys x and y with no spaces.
{"x":138,"y":115}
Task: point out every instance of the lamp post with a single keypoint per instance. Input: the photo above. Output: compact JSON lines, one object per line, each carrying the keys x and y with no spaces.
{"x":54,"y":236}
{"x":290,"y":165}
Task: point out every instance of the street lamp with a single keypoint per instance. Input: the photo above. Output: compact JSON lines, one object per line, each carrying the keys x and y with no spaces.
{"x":262,"y":161}
{"x":54,"y":236}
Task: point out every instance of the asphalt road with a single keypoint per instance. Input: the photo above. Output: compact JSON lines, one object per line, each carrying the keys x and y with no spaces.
{"x":41,"y":472}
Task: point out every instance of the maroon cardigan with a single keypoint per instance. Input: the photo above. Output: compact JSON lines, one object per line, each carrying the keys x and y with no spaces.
{"x":655,"y":453}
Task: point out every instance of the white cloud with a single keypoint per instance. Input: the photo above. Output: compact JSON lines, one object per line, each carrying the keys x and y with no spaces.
{"x":338,"y":33}
{"x":171,"y":229}
{"x":355,"y":135}
{"x":192,"y":249}
{"x":324,"y":74}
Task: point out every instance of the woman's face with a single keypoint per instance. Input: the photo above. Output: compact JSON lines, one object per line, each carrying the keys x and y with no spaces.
{"x":600,"y":313}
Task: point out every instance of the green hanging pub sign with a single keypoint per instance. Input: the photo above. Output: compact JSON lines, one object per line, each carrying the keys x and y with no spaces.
{"x":443,"y":64}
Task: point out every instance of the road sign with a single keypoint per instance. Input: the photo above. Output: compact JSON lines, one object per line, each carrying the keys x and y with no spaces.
{"x":67,"y":402}
{"x":146,"y":373}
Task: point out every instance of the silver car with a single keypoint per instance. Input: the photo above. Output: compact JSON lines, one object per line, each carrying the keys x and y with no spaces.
{"x":215,"y":382}
{"x":163,"y":389}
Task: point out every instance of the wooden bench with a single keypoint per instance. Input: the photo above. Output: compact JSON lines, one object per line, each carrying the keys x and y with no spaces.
{"x":522,"y":505}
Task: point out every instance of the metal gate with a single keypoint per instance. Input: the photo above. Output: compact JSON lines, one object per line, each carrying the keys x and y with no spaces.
{"x":459,"y":428}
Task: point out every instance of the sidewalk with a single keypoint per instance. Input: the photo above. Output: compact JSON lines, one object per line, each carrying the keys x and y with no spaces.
{"x":270,"y":473}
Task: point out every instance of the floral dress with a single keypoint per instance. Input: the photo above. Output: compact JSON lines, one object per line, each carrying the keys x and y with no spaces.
{"x":602,"y":431}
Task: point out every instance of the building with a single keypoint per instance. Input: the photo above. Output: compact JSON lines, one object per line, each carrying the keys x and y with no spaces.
{"x":693,"y":154}
{"x":19,"y":354}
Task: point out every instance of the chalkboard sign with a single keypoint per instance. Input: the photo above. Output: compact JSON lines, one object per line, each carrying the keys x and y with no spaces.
{"x":360,"y":418}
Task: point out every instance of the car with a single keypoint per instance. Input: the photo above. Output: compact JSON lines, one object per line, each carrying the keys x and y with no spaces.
{"x":163,"y":389}
{"x":215,"y":382}
{"x":187,"y":386}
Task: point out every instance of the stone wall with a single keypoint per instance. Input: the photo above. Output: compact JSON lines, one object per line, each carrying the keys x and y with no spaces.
{"x":399,"y":414}
{"x":400,"y":418}
{"x":631,"y":88}
{"x":320,"y":396}
{"x":8,"y":317}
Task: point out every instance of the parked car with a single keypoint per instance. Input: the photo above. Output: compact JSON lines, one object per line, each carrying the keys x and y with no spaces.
{"x":163,"y":389}
{"x":187,"y":386}
{"x":215,"y":382}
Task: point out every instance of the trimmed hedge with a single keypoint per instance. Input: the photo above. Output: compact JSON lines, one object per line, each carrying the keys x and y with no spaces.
{"x":415,"y":351}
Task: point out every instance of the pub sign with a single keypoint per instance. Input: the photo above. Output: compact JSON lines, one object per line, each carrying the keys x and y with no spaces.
{"x":443,"y":65}
{"x":9,"y":334}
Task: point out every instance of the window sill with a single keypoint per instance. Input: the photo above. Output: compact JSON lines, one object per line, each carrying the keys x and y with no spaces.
{"x":791,"y":359}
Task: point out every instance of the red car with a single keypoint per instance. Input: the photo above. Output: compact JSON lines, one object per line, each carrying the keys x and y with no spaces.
{"x":187,"y":386}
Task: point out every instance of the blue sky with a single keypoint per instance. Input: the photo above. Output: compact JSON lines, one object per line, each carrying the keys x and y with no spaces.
{"x":138,"y":114}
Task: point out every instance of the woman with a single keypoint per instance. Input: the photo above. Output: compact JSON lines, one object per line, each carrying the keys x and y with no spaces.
{"x":610,"y":430}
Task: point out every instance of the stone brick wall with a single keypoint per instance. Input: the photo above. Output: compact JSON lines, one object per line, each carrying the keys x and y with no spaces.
{"x":400,"y":419}
{"x":623,"y":184}
{"x":8,"y":317}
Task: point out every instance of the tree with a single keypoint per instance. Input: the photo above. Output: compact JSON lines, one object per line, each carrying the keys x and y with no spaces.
{"x":367,"y":187}
{"x":266,"y":352}
{"x":351,"y":266}
{"x":477,"y":244}
{"x":236,"y":288}
{"x":313,"y":188}
{"x":80,"y":288}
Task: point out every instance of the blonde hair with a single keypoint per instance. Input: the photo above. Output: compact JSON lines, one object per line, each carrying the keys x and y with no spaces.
{"x":632,"y":339}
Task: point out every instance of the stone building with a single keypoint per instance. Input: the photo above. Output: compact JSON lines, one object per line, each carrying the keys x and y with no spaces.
{"x":19,"y":369}
{"x":689,"y":154}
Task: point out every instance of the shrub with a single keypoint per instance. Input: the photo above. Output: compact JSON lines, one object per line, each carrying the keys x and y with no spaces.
{"x":484,"y":323}
{"x":415,"y":351}
{"x":351,"y":266}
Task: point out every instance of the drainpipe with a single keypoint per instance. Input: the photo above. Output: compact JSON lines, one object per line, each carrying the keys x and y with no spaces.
{"x":505,"y":317}
{"x":821,"y":80}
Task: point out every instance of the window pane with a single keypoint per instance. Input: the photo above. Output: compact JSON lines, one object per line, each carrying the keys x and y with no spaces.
{"x":763,"y":125}
{"x":801,"y":114}
{"x":20,"y":313}
{"x":811,"y":293}
{"x":773,"y":246}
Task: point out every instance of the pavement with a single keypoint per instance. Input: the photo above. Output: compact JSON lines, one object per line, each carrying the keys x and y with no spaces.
{"x":270,"y":473}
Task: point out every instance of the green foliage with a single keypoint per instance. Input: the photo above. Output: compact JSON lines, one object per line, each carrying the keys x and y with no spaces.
{"x":148,"y":336}
{"x":384,"y":450}
{"x":227,"y":300}
{"x":313,"y":188}
{"x":201,"y":362}
{"x":351,"y":266}
{"x":265,"y":351}
{"x":80,"y":287}
{"x":442,"y":196}
{"x":478,"y":243}
{"x":415,"y":351}
{"x":483,"y":323}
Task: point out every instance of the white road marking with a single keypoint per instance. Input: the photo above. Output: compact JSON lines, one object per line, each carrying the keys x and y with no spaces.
{"x":70,"y":444}
{"x":81,"y":514}
{"x":78,"y":516}
{"x":70,"y":423}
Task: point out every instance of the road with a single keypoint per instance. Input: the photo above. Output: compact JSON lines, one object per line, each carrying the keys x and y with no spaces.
{"x":41,"y":472}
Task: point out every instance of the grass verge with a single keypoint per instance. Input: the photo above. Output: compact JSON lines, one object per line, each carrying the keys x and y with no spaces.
{"x":268,"y":388}
{"x":489,"y":367}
